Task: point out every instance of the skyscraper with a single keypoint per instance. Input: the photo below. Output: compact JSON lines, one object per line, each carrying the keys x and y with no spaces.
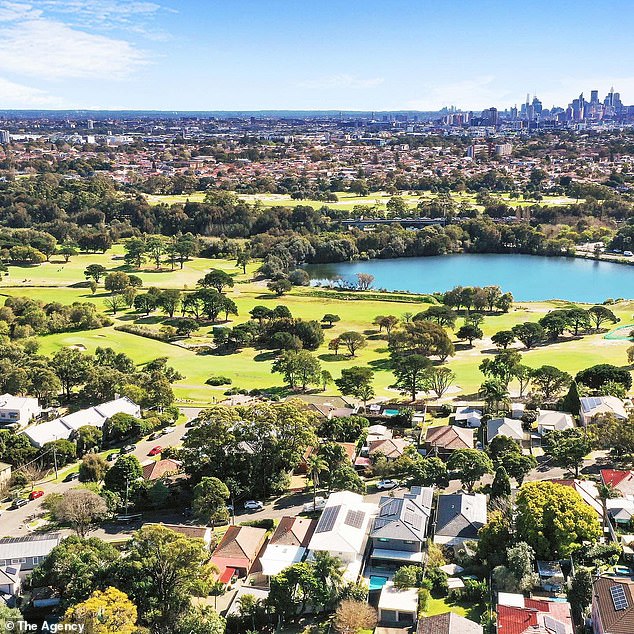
{"x":5,"y":137}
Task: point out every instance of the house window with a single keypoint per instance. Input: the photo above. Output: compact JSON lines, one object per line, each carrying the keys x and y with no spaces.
{"x":3,"y":562}
{"x":15,"y":561}
{"x":410,"y":541}
{"x":383,"y":539}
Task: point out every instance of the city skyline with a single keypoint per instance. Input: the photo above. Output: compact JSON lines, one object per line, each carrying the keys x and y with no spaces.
{"x":245,"y":55}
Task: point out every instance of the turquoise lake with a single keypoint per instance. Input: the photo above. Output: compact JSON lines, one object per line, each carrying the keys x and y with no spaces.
{"x":528,"y":277}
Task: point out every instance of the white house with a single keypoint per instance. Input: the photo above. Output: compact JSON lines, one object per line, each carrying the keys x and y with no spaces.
{"x":18,"y":409}
{"x":342,"y":530}
{"x":62,"y":428}
{"x":550,"y":420}
{"x":592,"y":406}
{"x":505,"y":427}
{"x":10,"y":580}
{"x":398,"y":607}
{"x":468,"y":416}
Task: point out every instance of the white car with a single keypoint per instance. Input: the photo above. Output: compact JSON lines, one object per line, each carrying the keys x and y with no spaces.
{"x":319,"y":505}
{"x":253,"y":505}
{"x":382,"y":485}
{"x":168,"y":430}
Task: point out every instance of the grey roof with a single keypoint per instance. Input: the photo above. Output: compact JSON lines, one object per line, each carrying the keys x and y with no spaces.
{"x":31,"y":546}
{"x":447,"y":623}
{"x":404,"y":518}
{"x":461,"y":515}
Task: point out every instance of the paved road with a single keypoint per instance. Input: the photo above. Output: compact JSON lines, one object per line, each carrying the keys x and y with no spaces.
{"x":14,"y":522}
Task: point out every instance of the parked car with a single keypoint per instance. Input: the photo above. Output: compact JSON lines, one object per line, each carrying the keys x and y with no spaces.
{"x":154,"y":435}
{"x":19,"y":502}
{"x":627,"y":254}
{"x":155,"y":451}
{"x":383,"y":485}
{"x":168,"y":430}
{"x":112,"y":456}
{"x":72,"y":476}
{"x":38,"y":493}
{"x":319,"y":505}
{"x":193,"y":422}
{"x":253,"y":505}
{"x":127,"y":449}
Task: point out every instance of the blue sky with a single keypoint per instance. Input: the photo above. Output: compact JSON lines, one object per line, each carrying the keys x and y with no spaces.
{"x":309,"y":54}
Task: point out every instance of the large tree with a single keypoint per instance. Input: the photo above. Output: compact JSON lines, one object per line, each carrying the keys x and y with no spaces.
{"x":210,"y":500}
{"x":76,"y":568}
{"x":469,"y":465}
{"x":554,"y":520}
{"x":411,"y":373}
{"x":161,"y":571}
{"x":550,"y":381}
{"x":80,"y":509}
{"x":567,"y":448}
{"x":105,"y":612}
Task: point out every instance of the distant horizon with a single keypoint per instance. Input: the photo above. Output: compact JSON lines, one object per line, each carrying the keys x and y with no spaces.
{"x":333,"y":55}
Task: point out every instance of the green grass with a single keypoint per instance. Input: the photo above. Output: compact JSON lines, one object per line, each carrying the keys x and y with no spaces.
{"x":348,"y":201}
{"x":251,"y":368}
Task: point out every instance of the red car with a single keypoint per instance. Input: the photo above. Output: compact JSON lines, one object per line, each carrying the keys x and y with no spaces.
{"x":38,"y":493}
{"x":155,"y":451}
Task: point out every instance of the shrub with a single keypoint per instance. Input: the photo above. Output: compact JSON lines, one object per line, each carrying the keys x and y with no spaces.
{"x":218,"y":380}
{"x":268,"y":524}
{"x":143,"y":331}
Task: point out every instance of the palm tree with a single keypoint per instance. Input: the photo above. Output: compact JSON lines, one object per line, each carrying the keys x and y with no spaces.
{"x":316,"y":464}
{"x":329,"y":572}
{"x":494,"y":394}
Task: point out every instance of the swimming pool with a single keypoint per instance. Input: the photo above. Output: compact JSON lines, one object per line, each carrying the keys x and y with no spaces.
{"x":390,"y":412}
{"x":377,"y":582}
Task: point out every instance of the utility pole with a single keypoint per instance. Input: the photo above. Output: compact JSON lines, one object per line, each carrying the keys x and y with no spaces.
{"x":55,"y":460}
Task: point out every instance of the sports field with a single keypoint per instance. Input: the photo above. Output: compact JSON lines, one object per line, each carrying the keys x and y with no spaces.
{"x":348,"y":201}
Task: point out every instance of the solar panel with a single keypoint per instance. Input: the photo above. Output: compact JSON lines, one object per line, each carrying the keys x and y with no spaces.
{"x":391,"y":508}
{"x":413,"y":519}
{"x":618,"y":598}
{"x":327,"y":519}
{"x":354,"y":519}
{"x":554,"y":625}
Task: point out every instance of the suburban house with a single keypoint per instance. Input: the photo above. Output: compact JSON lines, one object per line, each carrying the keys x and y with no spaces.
{"x":329,"y":406}
{"x":592,"y":406}
{"x":391,"y":448}
{"x":447,"y":623}
{"x":377,"y":432}
{"x":5,"y":474}
{"x":62,"y":428}
{"x":18,"y":409}
{"x":509,"y":427}
{"x":399,"y":531}
{"x":27,"y":551}
{"x":517,"y":614}
{"x":10,"y":581}
{"x":349,"y":448}
{"x":398,"y":607}
{"x":517,"y":409}
{"x":550,"y":420}
{"x":620,"y":510}
{"x":238,"y":551}
{"x":459,"y":517}
{"x":157,"y":469}
{"x":287,"y":545}
{"x":342,"y":530}
{"x":445,"y":439}
{"x":612,"y":605}
{"x":620,"y":480}
{"x":468,"y":416}
{"x":206,"y":533}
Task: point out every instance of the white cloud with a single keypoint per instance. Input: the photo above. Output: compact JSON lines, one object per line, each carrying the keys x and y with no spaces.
{"x":475,"y":93}
{"x":342,"y":81}
{"x":52,"y":50}
{"x":18,"y":96}
{"x":11,"y":11}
